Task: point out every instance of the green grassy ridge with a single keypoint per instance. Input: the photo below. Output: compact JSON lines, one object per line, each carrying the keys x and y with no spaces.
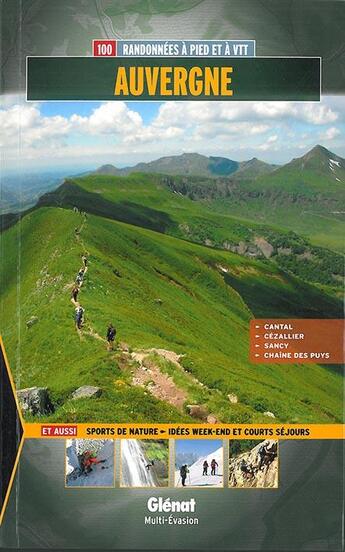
{"x":313,"y":222}
{"x":146,"y":201}
{"x":199,"y":314}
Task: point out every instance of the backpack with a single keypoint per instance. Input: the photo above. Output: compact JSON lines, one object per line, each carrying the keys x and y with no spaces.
{"x":111,"y":333}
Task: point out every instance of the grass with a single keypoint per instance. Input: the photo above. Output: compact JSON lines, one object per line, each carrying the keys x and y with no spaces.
{"x":159,"y":291}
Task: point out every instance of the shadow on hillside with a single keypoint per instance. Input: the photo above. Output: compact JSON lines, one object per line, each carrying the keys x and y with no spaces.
{"x":70,"y":195}
{"x":292,"y":299}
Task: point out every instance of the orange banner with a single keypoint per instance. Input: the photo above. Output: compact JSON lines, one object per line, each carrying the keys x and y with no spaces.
{"x":185,"y":431}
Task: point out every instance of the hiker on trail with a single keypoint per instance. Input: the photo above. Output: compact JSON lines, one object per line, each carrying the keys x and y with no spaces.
{"x":75,"y":292}
{"x":266,"y":455}
{"x":205,"y":468}
{"x":111,"y":333}
{"x":80,"y":277}
{"x":87,"y":460}
{"x":183,"y":473}
{"x":149,"y":465}
{"x":79,"y":317}
{"x":77,"y":231}
{"x":246,"y":470}
{"x":214,"y":465}
{"x":75,"y":209}
{"x":85,"y":260}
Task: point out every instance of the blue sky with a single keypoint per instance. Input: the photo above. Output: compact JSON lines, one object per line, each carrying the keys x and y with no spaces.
{"x":201,"y":447}
{"x":77,"y":135}
{"x":147,"y":110}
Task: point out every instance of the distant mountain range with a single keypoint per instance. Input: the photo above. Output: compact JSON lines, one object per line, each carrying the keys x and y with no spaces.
{"x":194,"y":164}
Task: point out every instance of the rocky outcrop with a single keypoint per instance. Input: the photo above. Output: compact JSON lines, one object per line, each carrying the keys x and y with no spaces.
{"x":32,"y":321}
{"x":212,"y":419}
{"x":87,"y":392}
{"x":233,"y":398}
{"x":246,"y":249}
{"x":265,"y":247}
{"x":35,"y":400}
{"x":198,"y":411}
{"x":255,"y":469}
{"x":269,"y":414}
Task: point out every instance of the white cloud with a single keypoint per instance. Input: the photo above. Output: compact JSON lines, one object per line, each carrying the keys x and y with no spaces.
{"x":330,"y":133}
{"x":115,"y":130}
{"x":269,"y":143}
{"x":109,"y":118}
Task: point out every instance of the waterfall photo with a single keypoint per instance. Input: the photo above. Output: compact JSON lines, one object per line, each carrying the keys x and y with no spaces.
{"x":89,"y":463}
{"x":144,"y":463}
{"x":198,"y":463}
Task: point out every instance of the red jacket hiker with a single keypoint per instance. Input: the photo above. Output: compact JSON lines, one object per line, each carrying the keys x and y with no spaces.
{"x":88,"y":459}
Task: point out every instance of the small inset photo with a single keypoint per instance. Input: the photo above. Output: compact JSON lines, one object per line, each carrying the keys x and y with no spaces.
{"x":253,"y":464}
{"x":144,"y":463}
{"x":198,"y":463}
{"x":90,"y":463}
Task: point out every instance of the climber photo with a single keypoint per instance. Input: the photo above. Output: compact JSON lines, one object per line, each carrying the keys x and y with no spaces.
{"x":89,"y":463}
{"x":144,"y":463}
{"x":198,"y":463}
{"x":253,"y":464}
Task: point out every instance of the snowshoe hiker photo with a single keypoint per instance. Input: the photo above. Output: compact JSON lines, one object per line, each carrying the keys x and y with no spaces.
{"x":87,"y":460}
{"x":79,"y":317}
{"x":214,"y":465}
{"x":74,"y":294}
{"x":183,"y":473}
{"x":111,"y":333}
{"x":205,"y":468}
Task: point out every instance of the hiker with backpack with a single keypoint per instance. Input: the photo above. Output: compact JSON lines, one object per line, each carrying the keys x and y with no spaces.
{"x":74,"y":295}
{"x":111,"y":333}
{"x":85,"y":260}
{"x":183,"y":473}
{"x":79,"y":317}
{"x":266,"y":455}
{"x":80,"y":277}
{"x":214,"y":465}
{"x":205,"y":468}
{"x":247,"y":471}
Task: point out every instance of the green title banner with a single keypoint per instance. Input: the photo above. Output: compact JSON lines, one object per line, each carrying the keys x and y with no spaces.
{"x":95,"y":78}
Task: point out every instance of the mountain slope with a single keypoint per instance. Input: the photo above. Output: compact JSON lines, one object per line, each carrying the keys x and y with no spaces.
{"x":194,"y":164}
{"x":160,"y":292}
{"x":306,"y":195}
{"x":164,"y":204}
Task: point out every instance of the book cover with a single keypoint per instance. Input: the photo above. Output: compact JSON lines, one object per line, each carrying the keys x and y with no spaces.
{"x":172,"y":256}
